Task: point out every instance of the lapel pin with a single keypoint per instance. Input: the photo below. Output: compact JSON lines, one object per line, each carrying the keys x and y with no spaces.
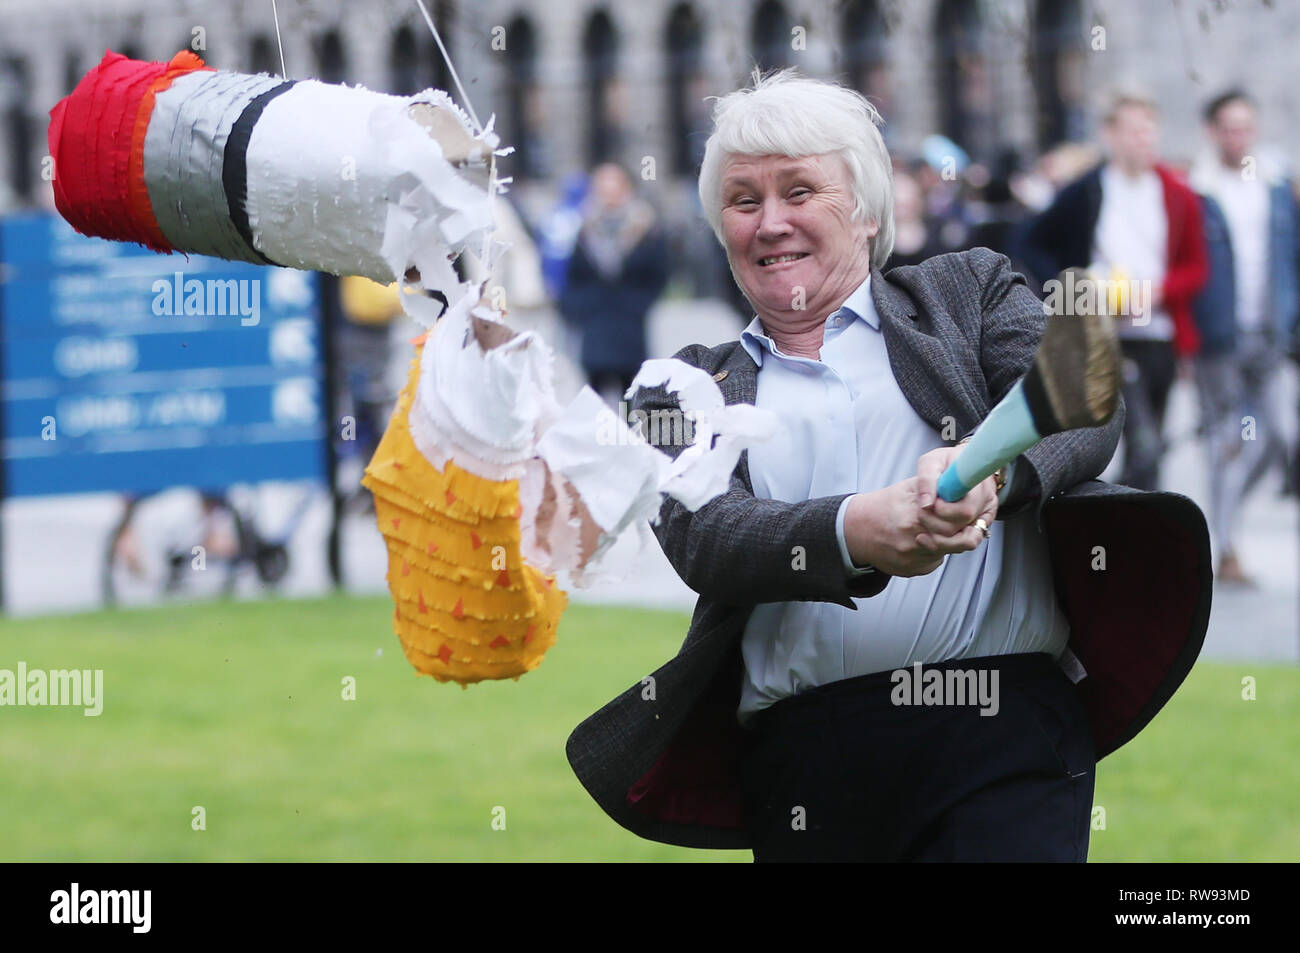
{"x":720,"y":375}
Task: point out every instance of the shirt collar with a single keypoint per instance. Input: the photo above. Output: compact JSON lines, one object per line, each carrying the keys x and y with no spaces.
{"x":755,"y":341}
{"x":1111,"y":173}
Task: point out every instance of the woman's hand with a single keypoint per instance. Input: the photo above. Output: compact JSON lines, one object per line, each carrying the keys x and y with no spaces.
{"x":906,"y":530}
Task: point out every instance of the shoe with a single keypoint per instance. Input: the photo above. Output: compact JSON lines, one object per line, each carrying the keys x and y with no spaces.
{"x":1230,"y":572}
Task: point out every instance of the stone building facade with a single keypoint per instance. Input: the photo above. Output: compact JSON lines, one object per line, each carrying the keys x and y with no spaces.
{"x":574,"y":81}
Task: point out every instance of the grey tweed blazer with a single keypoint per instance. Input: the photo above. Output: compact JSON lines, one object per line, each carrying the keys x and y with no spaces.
{"x":960,"y":330}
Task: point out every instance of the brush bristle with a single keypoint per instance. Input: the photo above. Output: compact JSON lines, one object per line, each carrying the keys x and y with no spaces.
{"x":1078,"y":362}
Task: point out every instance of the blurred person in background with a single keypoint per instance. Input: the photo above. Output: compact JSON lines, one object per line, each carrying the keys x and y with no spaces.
{"x":368,"y":310}
{"x":618,"y":269}
{"x":914,"y":238}
{"x":519,"y":283}
{"x":558,"y":233}
{"x":994,"y":210}
{"x":1132,"y":221}
{"x":1246,"y":315}
{"x":940,"y":174}
{"x":1052,"y":171}
{"x":557,"y":236}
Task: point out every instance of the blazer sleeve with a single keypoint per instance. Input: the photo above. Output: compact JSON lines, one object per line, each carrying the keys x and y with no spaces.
{"x":1012,"y":326}
{"x":742,"y":550}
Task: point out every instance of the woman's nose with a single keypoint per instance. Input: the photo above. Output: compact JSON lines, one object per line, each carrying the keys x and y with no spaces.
{"x":775,"y":221}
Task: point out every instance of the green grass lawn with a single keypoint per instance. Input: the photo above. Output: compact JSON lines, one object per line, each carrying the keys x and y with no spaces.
{"x":237,"y":707}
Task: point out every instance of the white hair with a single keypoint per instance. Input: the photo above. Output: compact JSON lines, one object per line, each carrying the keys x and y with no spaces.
{"x":786,"y":114}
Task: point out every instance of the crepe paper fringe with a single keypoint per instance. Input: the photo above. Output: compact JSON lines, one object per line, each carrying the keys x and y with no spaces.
{"x":446,"y":664}
{"x":96,"y":137}
{"x":449,"y":496}
{"x":457,"y":495}
{"x":467,"y":607}
{"x":439,"y":559}
{"x":452,"y":492}
{"x":412,"y":583}
{"x":141,"y":207}
{"x":499,"y":640}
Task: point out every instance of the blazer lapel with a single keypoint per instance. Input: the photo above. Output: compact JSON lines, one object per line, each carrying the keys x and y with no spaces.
{"x":921,"y":363}
{"x":739,"y":385}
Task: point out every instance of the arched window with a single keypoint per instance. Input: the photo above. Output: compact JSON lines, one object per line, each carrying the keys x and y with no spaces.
{"x":263,"y":55}
{"x":865,"y":53}
{"x":436,"y":73}
{"x":772,"y":36}
{"x":1058,"y":72}
{"x":415,"y":63}
{"x":404,"y":63}
{"x":15,"y":94}
{"x":604,"y":112}
{"x":524,"y":100}
{"x":331,"y":61}
{"x":688,"y":115}
{"x":72,"y":71}
{"x":964,"y":81}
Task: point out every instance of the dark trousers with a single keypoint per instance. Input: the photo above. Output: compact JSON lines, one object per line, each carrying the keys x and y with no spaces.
{"x":841,"y":772}
{"x":1149,"y":371}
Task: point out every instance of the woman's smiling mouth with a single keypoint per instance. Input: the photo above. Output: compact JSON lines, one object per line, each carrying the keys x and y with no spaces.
{"x":769,"y":260}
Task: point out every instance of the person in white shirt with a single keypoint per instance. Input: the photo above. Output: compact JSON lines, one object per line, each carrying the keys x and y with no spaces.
{"x":1246,"y":316}
{"x":1134,"y":222}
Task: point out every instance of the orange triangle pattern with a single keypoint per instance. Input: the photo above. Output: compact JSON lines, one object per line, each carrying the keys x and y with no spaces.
{"x":458,"y":615}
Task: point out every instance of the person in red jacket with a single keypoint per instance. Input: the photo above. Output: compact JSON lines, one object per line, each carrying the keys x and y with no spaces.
{"x":1135,"y":221}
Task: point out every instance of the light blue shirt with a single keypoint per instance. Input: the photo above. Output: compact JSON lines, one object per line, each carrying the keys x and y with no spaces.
{"x":848,"y":428}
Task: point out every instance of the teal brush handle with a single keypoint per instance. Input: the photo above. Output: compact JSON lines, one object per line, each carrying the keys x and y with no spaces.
{"x":1006,"y":432}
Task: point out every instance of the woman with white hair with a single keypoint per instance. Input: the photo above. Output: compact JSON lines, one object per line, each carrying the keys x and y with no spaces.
{"x":874,"y":673}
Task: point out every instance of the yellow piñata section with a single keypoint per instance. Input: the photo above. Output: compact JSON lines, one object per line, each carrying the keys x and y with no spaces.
{"x":467,"y":606}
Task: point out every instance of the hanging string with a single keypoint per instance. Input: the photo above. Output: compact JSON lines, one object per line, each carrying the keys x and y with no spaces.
{"x":485,"y":252}
{"x":276,"y":14}
{"x":451,"y":67}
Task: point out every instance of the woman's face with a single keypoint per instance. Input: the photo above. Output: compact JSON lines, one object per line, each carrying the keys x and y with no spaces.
{"x":908,"y":204}
{"x":610,"y":187}
{"x":787,"y":224}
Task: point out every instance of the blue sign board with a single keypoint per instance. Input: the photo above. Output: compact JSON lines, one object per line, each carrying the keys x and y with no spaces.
{"x":131,"y":371}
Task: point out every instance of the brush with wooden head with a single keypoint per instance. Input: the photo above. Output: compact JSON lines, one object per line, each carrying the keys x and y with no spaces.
{"x":1074,"y":382}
